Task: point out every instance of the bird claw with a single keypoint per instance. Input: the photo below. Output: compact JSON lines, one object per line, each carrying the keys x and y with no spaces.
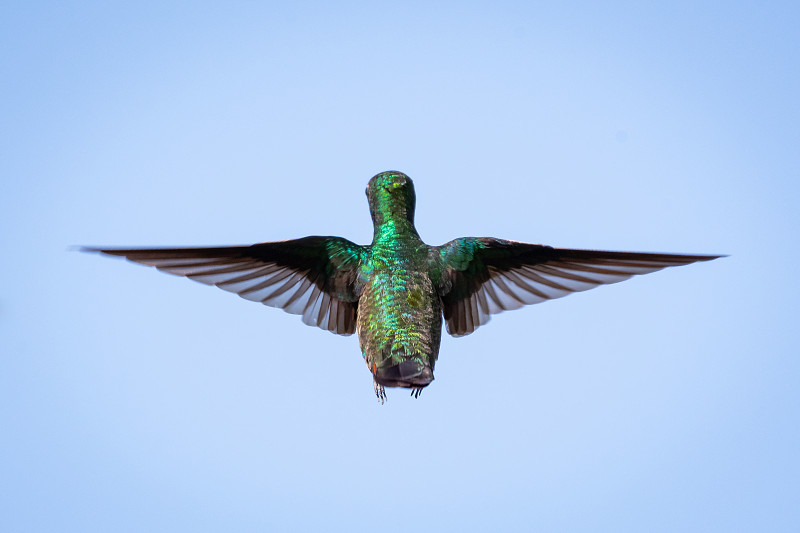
{"x":380,"y":392}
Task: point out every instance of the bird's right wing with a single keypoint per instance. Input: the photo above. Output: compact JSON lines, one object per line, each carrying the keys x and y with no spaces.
{"x":315,"y":277}
{"x":478,"y":277}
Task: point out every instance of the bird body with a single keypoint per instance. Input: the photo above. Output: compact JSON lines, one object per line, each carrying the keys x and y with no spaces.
{"x":400,"y":318}
{"x":397,"y":291}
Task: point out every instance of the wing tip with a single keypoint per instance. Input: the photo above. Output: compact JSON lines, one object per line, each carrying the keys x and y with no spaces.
{"x":94,"y":250}
{"x":710,"y":257}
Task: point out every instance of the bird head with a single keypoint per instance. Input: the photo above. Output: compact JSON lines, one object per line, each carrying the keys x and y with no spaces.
{"x":391,"y":197}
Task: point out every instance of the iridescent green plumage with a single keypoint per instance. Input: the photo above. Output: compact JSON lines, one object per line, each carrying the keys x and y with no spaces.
{"x":396,"y":291}
{"x":400,"y":319}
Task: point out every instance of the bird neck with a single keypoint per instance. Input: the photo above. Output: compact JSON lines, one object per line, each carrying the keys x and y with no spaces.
{"x":394,"y":229}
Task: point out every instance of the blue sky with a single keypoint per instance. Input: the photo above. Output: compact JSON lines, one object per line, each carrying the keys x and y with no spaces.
{"x":131,"y":400}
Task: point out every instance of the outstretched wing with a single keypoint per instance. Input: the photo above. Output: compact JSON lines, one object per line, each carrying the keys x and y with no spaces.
{"x":478,"y":277}
{"x":314,"y":276}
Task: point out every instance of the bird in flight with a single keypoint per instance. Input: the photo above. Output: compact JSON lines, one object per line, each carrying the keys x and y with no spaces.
{"x":397,"y":291}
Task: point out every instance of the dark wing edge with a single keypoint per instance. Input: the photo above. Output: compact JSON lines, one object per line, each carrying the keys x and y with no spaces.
{"x":314,"y":277}
{"x":483,"y":276}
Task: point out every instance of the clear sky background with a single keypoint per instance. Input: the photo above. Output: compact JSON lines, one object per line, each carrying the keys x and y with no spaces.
{"x":131,"y":400}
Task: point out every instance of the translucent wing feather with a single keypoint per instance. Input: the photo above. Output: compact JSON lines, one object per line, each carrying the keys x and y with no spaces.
{"x":479,"y":277}
{"x":314,"y":277}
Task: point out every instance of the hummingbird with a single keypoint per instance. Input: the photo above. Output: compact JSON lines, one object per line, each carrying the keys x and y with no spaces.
{"x":397,"y":291}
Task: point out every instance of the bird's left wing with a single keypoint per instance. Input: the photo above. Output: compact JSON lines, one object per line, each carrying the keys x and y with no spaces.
{"x":478,"y":277}
{"x":315,"y":277}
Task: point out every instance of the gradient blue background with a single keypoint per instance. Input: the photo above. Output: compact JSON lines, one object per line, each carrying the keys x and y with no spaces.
{"x":135,"y":401}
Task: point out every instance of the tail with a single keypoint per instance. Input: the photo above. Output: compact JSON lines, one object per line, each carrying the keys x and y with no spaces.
{"x":413,"y":373}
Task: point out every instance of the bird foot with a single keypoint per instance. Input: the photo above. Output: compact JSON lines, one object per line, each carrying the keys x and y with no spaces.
{"x":380,"y":392}
{"x":415,"y":392}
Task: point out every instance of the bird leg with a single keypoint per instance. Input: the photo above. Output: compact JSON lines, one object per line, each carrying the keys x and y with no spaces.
{"x":380,"y":392}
